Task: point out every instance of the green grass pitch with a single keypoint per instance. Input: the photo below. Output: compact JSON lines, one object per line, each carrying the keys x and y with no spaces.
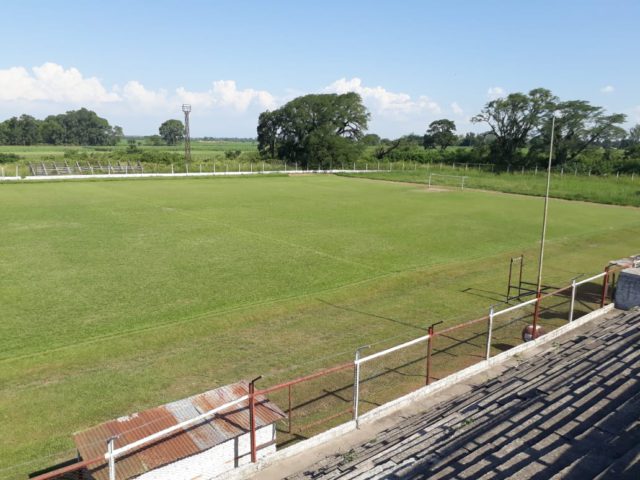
{"x":122,"y":295}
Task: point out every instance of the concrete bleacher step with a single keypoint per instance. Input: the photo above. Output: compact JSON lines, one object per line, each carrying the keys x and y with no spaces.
{"x":549,"y":417}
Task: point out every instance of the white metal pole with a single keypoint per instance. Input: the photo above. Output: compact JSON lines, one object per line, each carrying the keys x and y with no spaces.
{"x":112,"y":460}
{"x":356,"y":388}
{"x":573,"y":299}
{"x":429,"y":187}
{"x":546,"y":208}
{"x":489,"y":333}
{"x":463,"y":182}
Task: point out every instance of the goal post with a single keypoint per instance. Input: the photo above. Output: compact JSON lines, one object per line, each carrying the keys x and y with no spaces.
{"x":446,"y":180}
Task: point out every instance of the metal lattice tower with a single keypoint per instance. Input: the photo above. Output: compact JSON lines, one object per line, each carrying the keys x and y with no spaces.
{"x":187,"y":137}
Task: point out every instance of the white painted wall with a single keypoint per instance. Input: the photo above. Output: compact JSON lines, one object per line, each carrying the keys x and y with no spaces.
{"x":216,"y":460}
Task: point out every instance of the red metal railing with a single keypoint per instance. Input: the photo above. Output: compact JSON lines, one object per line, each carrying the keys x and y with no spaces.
{"x":428,"y":374}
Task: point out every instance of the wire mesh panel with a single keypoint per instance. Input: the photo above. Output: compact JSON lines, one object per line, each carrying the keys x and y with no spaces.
{"x":314,"y":405}
{"x":390,"y":376}
{"x":508,"y":328}
{"x":456,"y":348}
{"x":554,"y":310}
{"x":588,"y":297}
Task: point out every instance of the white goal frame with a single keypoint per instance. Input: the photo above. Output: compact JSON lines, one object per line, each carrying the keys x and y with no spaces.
{"x":461,"y":177}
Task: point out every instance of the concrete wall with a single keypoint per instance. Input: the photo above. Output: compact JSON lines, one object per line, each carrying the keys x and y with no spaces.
{"x":628,"y":289}
{"x":216,"y":460}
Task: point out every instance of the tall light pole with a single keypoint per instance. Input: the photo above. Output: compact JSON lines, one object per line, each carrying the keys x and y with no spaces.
{"x":544,"y":233}
{"x":187,"y":137}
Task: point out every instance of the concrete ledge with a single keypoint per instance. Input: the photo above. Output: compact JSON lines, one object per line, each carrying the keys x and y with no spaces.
{"x":403,"y":401}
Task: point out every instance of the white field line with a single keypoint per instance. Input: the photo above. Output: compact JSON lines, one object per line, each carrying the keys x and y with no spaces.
{"x":177,"y":175}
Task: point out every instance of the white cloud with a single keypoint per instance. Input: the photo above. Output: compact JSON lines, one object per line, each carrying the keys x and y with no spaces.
{"x":495,"y":92}
{"x":608,"y":89}
{"x":51,"y":82}
{"x":225,"y":93}
{"x":636,"y":113}
{"x":457,"y":109}
{"x":383,"y":101}
{"x":136,"y":93}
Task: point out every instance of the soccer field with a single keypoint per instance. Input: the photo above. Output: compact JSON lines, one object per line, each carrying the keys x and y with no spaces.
{"x":122,"y":295}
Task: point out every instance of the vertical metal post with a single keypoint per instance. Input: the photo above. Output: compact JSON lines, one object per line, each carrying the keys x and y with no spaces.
{"x":520,"y":276}
{"x":509,"y":281}
{"x":429,"y":350}
{"x":289,"y":410}
{"x":605,"y":287}
{"x":544,"y":233}
{"x":112,"y":460}
{"x":252,"y":418}
{"x":489,"y":332}
{"x":536,"y":313}
{"x":573,"y":299}
{"x":463,"y":182}
{"x":429,"y":186}
{"x":356,"y":384}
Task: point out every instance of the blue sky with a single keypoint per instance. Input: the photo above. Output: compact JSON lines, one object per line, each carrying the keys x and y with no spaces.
{"x":412,"y":61}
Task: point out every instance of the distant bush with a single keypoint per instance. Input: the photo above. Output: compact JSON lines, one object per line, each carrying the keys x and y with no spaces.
{"x":9,"y":157}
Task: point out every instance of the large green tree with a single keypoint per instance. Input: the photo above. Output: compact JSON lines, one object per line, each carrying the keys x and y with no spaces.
{"x":513,"y":120}
{"x":441,"y":133}
{"x":578,"y":127}
{"x":172,"y":131}
{"x":314,"y":130}
{"x":633,"y":137}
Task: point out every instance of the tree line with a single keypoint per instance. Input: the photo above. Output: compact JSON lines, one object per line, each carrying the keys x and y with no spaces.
{"x":320,"y":130}
{"x":75,"y":127}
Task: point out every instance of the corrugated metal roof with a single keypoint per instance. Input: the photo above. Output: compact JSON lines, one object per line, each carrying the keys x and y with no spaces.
{"x":226,"y":425}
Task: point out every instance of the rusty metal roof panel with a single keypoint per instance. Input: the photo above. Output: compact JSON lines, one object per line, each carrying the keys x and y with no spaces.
{"x":229,"y":424}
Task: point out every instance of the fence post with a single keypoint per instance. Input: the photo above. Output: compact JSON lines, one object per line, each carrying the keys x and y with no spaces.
{"x":489,"y":332}
{"x":431,"y":333}
{"x":252,"y":418}
{"x":429,"y":186}
{"x":112,"y":460}
{"x":463,"y":183}
{"x":605,"y":287}
{"x":573,"y":299}
{"x":356,"y":383}
{"x":172,"y":169}
{"x":536,"y":312}
{"x":289,"y":410}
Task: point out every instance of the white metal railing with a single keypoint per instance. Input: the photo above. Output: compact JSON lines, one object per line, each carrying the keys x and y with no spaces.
{"x":358,"y":361}
{"x":112,"y":453}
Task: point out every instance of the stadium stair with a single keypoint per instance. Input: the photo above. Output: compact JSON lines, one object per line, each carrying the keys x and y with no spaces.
{"x":571,"y":412}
